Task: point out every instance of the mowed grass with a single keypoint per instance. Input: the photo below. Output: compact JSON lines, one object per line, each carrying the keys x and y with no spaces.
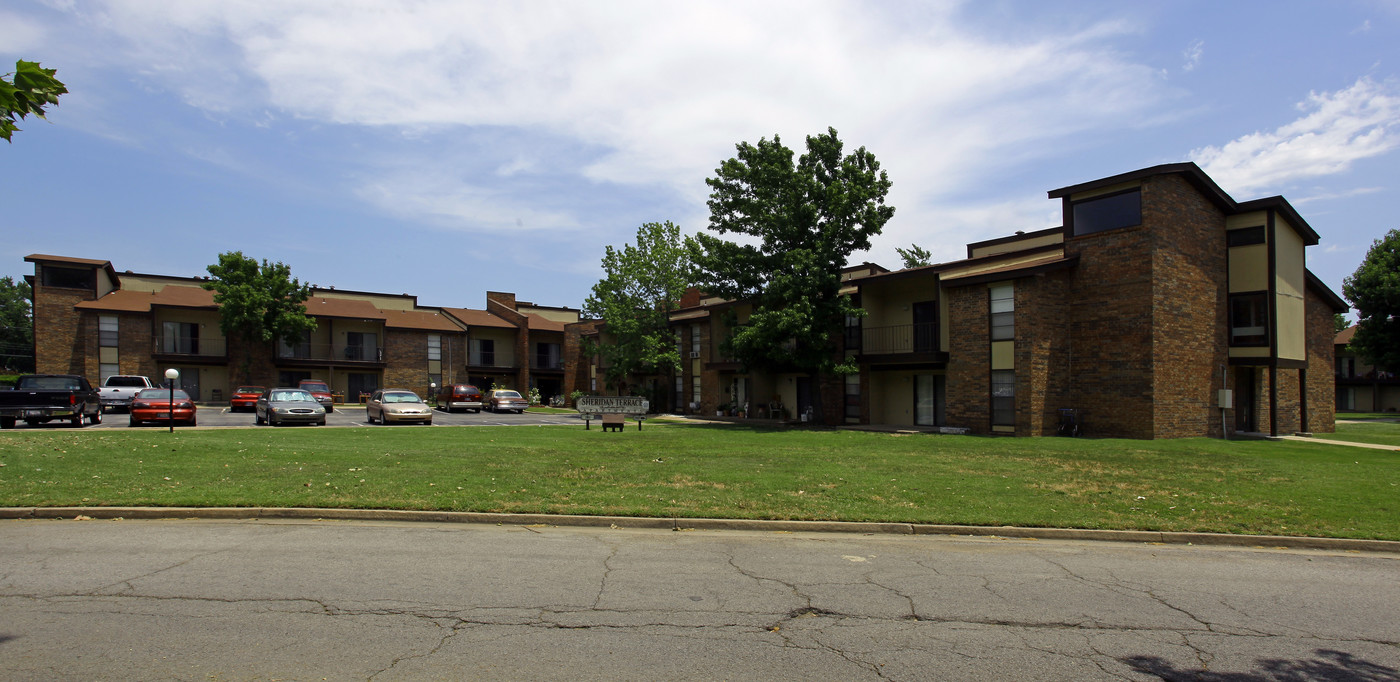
{"x":1284,"y":488}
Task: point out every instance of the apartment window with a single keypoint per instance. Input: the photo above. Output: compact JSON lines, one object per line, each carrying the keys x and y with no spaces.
{"x":680,"y":342}
{"x":695,"y":390}
{"x":853,"y":326}
{"x":1003,"y":397}
{"x":483,"y":352}
{"x":1249,"y":319}
{"x":179,"y":338}
{"x":67,"y":278}
{"x":680,"y":393}
{"x":105,"y":370}
{"x":926,"y":390}
{"x":547,"y":356}
{"x":435,"y":379}
{"x":694,"y":340}
{"x":1107,"y":212}
{"x":1245,"y":236}
{"x":107,"y":336}
{"x":1346,"y":367}
{"x":435,"y":347}
{"x":1003,"y":311}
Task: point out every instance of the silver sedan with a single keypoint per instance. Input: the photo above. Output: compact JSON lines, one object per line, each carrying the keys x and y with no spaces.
{"x":277,"y":406}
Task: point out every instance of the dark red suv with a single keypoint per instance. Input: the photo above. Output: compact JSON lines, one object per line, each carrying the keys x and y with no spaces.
{"x":458,"y":396}
{"x":320,"y":391}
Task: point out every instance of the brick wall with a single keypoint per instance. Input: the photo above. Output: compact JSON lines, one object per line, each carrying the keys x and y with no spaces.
{"x":1110,"y":338}
{"x":1042,"y":355}
{"x":1189,"y":299}
{"x":60,"y":338}
{"x":502,"y":305}
{"x":1321,"y":374}
{"x":968,"y":384}
{"x":135,"y":343}
{"x":406,"y":360}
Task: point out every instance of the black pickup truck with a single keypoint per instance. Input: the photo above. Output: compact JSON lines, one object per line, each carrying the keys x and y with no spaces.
{"x":40,"y":398}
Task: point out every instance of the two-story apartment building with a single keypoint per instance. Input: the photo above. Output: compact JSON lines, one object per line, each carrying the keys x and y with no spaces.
{"x":1362,"y":387}
{"x":1161,"y":307}
{"x":91,"y":320}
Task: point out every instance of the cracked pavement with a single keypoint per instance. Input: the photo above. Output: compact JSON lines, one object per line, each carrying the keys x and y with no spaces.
{"x":342,"y":600}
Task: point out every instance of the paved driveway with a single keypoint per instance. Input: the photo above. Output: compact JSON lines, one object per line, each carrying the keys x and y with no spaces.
{"x":266,"y":600}
{"x":216,"y":416}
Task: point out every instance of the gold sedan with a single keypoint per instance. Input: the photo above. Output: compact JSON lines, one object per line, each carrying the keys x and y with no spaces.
{"x":391,"y":405}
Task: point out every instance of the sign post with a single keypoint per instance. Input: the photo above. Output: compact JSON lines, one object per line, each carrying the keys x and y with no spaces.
{"x":592,"y":407}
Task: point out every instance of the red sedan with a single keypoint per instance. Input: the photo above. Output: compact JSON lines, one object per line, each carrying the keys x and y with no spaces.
{"x":245,"y":398}
{"x":153,"y":405}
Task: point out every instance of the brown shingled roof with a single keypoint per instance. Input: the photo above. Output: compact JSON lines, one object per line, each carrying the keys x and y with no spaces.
{"x":342,"y":307}
{"x":478,"y":318}
{"x":128,"y":301}
{"x":1344,"y":336}
{"x":419,"y":319}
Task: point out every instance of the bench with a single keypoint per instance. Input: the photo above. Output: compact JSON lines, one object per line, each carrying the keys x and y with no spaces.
{"x":614,"y":421}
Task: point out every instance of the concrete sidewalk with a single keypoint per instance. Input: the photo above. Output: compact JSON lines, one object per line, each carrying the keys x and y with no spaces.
{"x":682,"y":524}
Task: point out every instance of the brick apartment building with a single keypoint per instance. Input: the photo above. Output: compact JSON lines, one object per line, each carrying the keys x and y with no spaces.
{"x":91,"y":320}
{"x":1158,"y":291}
{"x":1160,"y":308}
{"x":1362,"y":387}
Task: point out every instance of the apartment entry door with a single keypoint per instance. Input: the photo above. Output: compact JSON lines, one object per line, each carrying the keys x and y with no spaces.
{"x":1245,"y":419}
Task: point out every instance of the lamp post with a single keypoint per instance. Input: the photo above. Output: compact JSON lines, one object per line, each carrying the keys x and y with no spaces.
{"x":171,"y":375}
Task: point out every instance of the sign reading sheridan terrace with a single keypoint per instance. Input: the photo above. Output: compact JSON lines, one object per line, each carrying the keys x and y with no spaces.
{"x":594,"y":406}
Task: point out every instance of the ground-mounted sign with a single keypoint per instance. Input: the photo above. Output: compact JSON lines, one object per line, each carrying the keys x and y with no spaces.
{"x":595,"y":406}
{"x":613,"y":410}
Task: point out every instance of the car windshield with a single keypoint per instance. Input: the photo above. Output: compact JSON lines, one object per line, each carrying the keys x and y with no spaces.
{"x":50,"y":383}
{"x":249,"y":389}
{"x":402,"y":397}
{"x":292,"y":397}
{"x":322,"y":388}
{"x":161,"y":394}
{"x":126,"y":381}
{"x":507,"y":394}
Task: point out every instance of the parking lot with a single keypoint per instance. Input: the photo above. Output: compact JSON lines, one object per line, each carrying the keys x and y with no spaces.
{"x":215,"y":416}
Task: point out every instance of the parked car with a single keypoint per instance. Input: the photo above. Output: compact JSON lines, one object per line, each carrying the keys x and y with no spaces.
{"x":278,"y":406}
{"x":504,"y":399}
{"x":397,"y":405}
{"x":321,"y":391}
{"x":463,"y":396}
{"x":162,"y":405}
{"x":245,"y":398}
{"x":118,"y":390}
{"x":40,"y":398}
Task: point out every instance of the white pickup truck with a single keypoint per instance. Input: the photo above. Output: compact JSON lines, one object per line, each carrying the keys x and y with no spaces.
{"x":118,"y":390}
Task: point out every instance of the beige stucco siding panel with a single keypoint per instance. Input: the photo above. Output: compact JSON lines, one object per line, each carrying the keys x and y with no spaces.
{"x":1249,"y":352}
{"x":1019,"y":244}
{"x":1003,"y":355}
{"x":1120,"y":187}
{"x":1249,"y":268}
{"x":1289,"y":260}
{"x":1291,"y":328}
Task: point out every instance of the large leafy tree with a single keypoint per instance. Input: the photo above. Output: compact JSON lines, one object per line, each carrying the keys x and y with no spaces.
{"x":1374,"y":291}
{"x":915,"y":256}
{"x":16,"y":326}
{"x":258,"y":303}
{"x":27,"y":91}
{"x":802,"y":220}
{"x":641,"y":285}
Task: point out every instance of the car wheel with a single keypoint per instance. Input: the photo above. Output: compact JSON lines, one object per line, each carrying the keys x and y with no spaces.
{"x":77,"y":420}
{"x":369,"y":418}
{"x":135,"y":422}
{"x":7,"y":422}
{"x":97,"y":417}
{"x":192,"y":422}
{"x":321,"y":423}
{"x":257,"y":418}
{"x":272,"y":420}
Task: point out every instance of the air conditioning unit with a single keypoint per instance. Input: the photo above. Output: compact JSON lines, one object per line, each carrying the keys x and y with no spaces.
{"x":694,"y":354}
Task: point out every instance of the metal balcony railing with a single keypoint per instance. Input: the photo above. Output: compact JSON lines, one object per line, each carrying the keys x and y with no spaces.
{"x":330,"y":352}
{"x":900,"y":338}
{"x":477,"y":359}
{"x":548,"y":362}
{"x":191,"y":346}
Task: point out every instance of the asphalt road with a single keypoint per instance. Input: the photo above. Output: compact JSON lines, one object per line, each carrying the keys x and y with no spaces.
{"x":221,"y":416}
{"x":233,"y":600}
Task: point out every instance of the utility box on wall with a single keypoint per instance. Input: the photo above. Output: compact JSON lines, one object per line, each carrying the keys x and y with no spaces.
{"x":1225,"y":399}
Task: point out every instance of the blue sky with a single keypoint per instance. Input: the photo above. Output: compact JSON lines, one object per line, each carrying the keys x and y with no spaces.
{"x":443,"y":147}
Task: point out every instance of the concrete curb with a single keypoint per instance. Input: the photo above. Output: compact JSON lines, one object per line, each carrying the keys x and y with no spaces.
{"x":249,"y":513}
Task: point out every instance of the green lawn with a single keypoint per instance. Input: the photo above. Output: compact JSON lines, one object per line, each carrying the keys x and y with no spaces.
{"x":1378,"y":432}
{"x":1285,"y":488}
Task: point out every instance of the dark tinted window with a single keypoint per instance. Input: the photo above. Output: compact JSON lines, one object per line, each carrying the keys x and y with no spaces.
{"x":70,"y":278}
{"x":1107,"y":213}
{"x":1245,"y":237}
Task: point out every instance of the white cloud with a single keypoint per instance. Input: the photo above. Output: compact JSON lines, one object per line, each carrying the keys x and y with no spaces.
{"x":457,"y":204}
{"x":1337,"y":128}
{"x":1192,"y":55}
{"x":20,"y":36}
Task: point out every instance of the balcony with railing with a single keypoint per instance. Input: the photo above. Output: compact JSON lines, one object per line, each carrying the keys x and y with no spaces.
{"x":331,"y":353}
{"x":901,"y":342}
{"x":189,"y":347}
{"x":547,"y":361}
{"x":488,"y":359}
